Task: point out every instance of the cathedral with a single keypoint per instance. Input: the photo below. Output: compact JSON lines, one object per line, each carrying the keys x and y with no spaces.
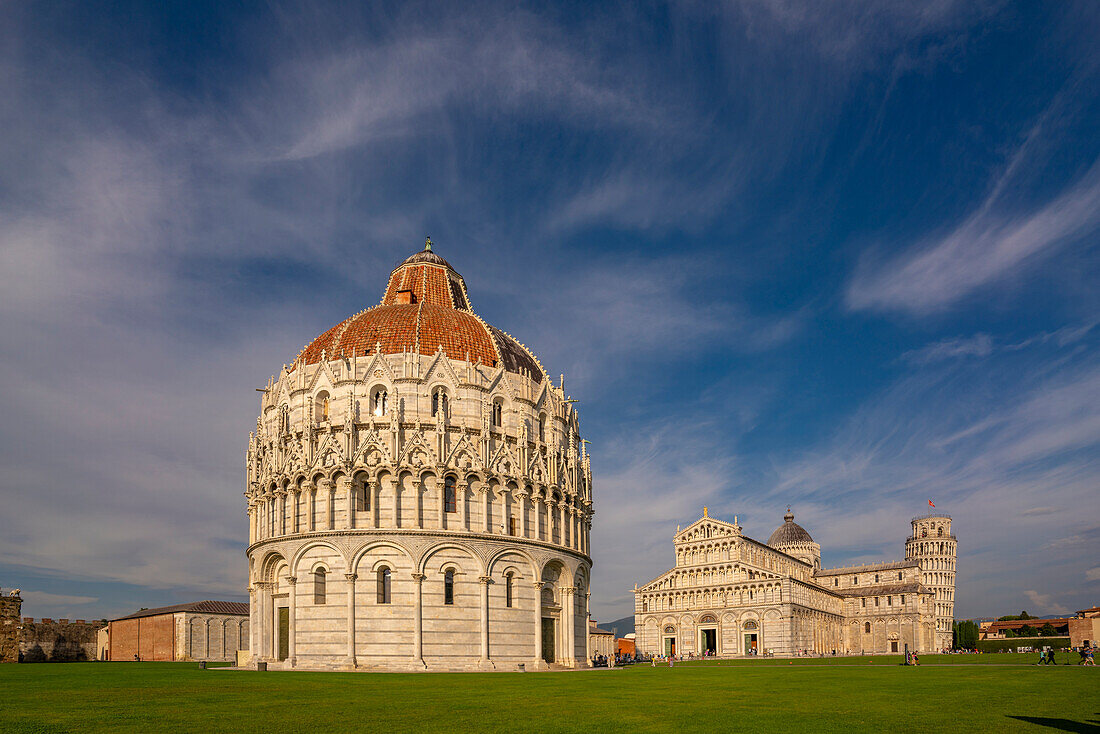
{"x":732,"y":596}
{"x":419,"y":495}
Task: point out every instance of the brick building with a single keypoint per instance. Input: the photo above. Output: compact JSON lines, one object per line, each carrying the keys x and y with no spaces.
{"x":204,"y":630}
{"x":1084,"y":629}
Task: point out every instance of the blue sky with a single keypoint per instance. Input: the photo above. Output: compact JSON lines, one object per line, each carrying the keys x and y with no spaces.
{"x":841,"y":256}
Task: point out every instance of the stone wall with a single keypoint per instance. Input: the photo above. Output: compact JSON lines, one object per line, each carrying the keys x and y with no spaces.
{"x":10,"y":607}
{"x":60,"y":641}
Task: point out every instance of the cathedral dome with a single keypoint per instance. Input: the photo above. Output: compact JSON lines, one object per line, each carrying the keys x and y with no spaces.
{"x":425,"y":309}
{"x":789,"y":532}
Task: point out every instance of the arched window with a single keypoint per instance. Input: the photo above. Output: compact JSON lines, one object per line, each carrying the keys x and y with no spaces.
{"x":384,"y":585}
{"x":645,"y":606}
{"x":876,"y":578}
{"x":508,"y":589}
{"x":867,"y":627}
{"x":940,"y":532}
{"x":498,"y":414}
{"x":380,"y":401}
{"x":322,"y":405}
{"x":450,"y":502}
{"x":439,"y":401}
{"x":449,"y":587}
{"x":319,"y":586}
{"x":542,"y":428}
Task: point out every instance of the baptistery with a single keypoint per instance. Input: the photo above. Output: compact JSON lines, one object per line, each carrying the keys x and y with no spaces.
{"x":418,"y":493}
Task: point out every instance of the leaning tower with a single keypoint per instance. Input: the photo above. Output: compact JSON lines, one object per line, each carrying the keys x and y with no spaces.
{"x":934,"y":547}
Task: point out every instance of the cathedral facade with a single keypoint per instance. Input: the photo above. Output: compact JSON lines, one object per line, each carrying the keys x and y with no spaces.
{"x":418,"y":495}
{"x":732,"y":596}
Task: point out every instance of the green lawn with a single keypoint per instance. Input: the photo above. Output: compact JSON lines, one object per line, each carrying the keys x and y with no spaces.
{"x":771,"y":695}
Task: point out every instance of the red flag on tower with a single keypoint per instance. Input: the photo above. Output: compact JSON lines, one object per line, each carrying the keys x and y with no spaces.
{"x":931,"y":504}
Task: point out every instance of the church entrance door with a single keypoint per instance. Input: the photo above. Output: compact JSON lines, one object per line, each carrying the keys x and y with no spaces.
{"x":750,"y":644}
{"x":284,"y":633}
{"x":708,"y":641}
{"x":548,"y":639}
{"x":670,"y":646}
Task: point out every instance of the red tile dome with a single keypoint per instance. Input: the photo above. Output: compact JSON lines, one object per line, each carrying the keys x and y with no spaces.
{"x":425,"y":308}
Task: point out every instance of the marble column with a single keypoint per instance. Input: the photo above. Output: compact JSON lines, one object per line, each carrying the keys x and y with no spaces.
{"x":485,"y":663}
{"x":330,"y":504}
{"x":351,"y":617}
{"x":253,"y":622}
{"x":487,"y":508}
{"x":538,"y":661}
{"x":418,"y":621}
{"x":311,"y":493}
{"x":523,"y":513}
{"x":567,"y":624}
{"x":374,"y":496}
{"x":536,"y":507}
{"x":293,"y":602}
{"x":295,"y":495}
{"x":349,"y":503}
{"x":280,"y":504}
{"x":460,"y":499}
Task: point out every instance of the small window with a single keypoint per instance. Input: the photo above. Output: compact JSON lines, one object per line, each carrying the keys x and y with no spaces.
{"x":450,"y":503}
{"x":498,"y":415}
{"x":836,"y":582}
{"x":439,"y":401}
{"x":542,"y":428}
{"x":867,"y":627}
{"x":863,"y":603}
{"x":903,"y":599}
{"x":876,"y":578}
{"x":855,"y":581}
{"x":876,"y":601}
{"x":380,"y":401}
{"x":899,"y":575}
{"x":384,"y":585}
{"x":508,"y":590}
{"x":889,"y":601}
{"x":319,"y":586}
{"x":511,"y":525}
{"x":449,"y":587}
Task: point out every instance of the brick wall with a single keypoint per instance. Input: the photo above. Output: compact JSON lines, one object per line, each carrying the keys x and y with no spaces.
{"x":47,"y":640}
{"x":149,"y":638}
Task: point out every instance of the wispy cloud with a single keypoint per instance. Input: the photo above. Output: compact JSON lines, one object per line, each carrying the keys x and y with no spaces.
{"x":985,"y":248}
{"x":979,"y":345}
{"x":1045,"y":603}
{"x":43,"y":598}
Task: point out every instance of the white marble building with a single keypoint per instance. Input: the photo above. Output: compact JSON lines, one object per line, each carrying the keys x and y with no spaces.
{"x":731,"y":596}
{"x":418,"y":494}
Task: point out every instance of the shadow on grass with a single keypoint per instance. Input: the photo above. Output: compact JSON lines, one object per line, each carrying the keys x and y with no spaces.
{"x":1061,"y":724}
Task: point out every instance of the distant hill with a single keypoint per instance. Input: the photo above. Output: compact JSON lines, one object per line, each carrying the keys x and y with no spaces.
{"x":622,"y":626}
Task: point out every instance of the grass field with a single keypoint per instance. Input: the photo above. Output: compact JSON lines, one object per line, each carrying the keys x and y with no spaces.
{"x":1000,"y":693}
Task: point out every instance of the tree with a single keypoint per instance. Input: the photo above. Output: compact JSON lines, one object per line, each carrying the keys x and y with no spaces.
{"x":1047,"y":630}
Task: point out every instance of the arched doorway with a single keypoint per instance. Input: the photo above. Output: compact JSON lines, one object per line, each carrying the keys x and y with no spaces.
{"x":752,"y":637}
{"x":708,"y":635}
{"x":670,"y":641}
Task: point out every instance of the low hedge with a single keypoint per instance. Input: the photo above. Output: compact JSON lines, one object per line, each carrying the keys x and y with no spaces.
{"x":1035,"y":643}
